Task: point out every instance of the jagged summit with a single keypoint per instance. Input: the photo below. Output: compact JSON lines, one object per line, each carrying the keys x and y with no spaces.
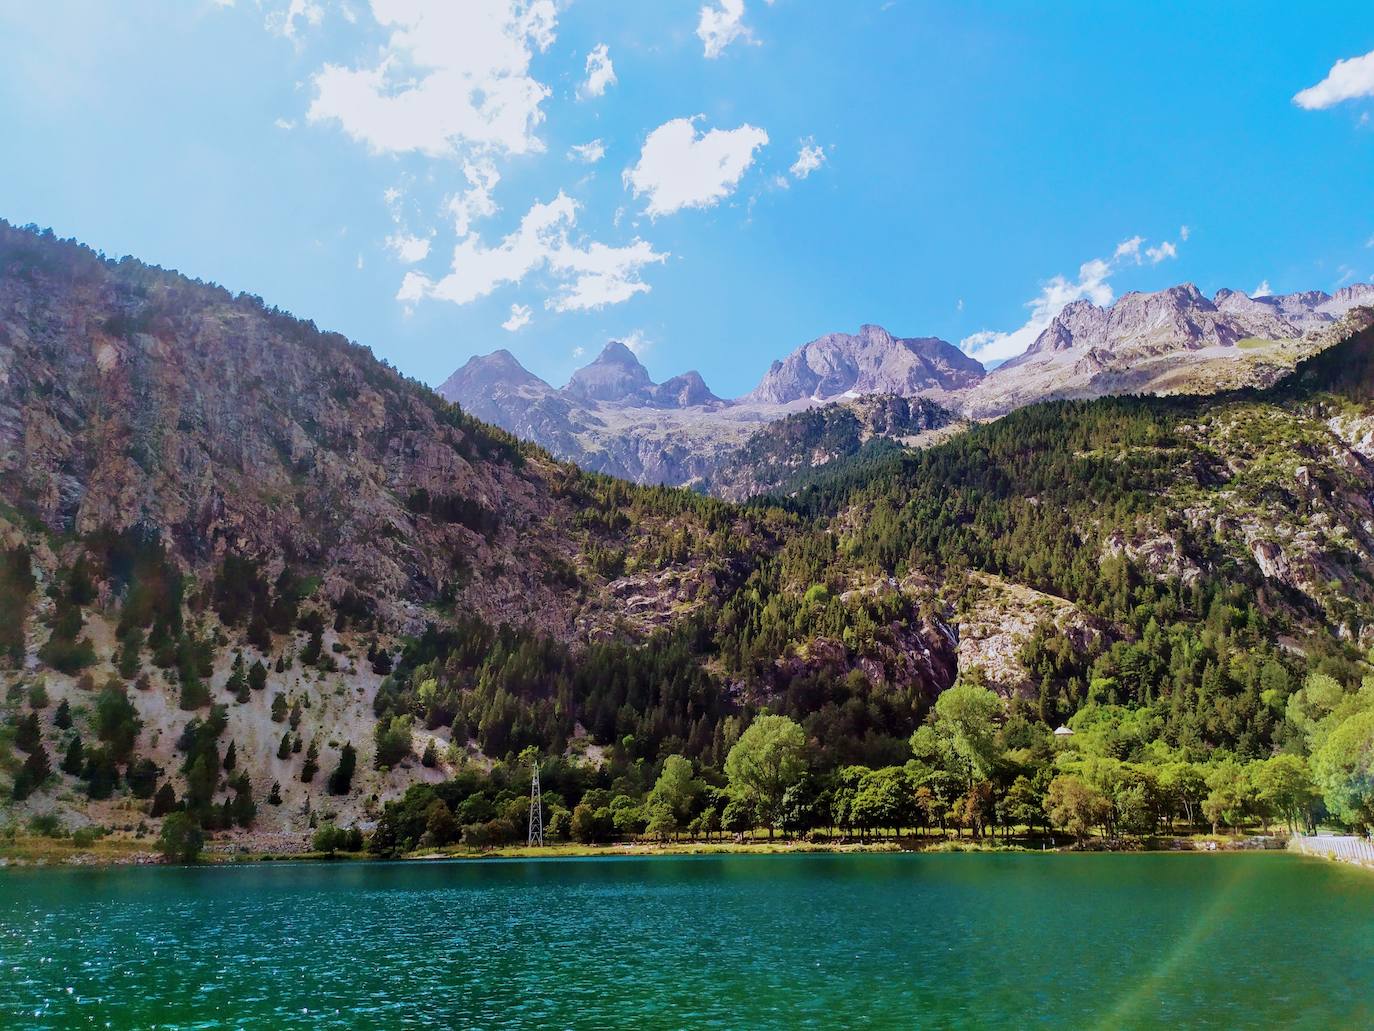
{"x":616,"y":375}
{"x":871,"y":361}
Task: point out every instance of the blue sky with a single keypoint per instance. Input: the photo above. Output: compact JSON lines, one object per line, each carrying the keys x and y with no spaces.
{"x":404,"y":171}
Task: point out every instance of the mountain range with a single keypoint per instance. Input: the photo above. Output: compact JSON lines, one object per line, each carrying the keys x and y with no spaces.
{"x":238,"y":554}
{"x":613,"y":418}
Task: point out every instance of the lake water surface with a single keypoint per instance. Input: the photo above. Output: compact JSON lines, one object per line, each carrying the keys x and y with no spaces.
{"x":732,"y":942}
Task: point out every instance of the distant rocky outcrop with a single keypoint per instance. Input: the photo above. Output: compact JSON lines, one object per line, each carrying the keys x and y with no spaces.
{"x":1171,"y":341}
{"x":613,"y":418}
{"x":871,"y":361}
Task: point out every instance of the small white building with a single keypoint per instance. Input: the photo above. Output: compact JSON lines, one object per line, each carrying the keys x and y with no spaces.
{"x":1062,"y":732}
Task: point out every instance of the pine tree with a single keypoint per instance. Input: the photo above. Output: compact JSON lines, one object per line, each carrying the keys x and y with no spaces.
{"x":164,"y":801}
{"x":278,"y":708}
{"x":62,"y":718}
{"x":296,"y":714}
{"x":32,"y":774}
{"x":257,"y":675}
{"x":75,"y":758}
{"x":341,"y":780}
{"x":237,"y":684}
{"x":142,"y":778}
{"x":430,"y":759}
{"x":310,"y":654}
{"x":28,"y":735}
{"x":231,"y":757}
{"x":243,"y":810}
{"x":312,"y":764}
{"x":274,"y":796}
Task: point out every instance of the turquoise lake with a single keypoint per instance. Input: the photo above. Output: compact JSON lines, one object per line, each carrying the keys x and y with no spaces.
{"x":1105,"y":941}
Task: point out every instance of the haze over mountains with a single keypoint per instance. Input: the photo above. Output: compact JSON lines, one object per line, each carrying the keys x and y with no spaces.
{"x":612,"y":417}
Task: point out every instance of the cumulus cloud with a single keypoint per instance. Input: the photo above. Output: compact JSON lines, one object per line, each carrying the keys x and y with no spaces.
{"x":678,"y":168}
{"x":637,"y":342}
{"x":587,"y":153}
{"x":1184,"y":232}
{"x":600,"y":72}
{"x":720,"y":24}
{"x":449,"y":76}
{"x":476,"y":201}
{"x":1349,"y":79}
{"x":407,"y":248}
{"x":520,"y":316}
{"x":809,"y":158}
{"x":1092,"y":283}
{"x":1262,"y":290}
{"x":587,"y":276}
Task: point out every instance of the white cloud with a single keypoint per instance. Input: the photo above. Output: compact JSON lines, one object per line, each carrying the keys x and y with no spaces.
{"x":1262,"y":290}
{"x":588,"y":276}
{"x":1130,"y":249}
{"x":1347,"y":80}
{"x":449,"y":76}
{"x":1369,"y":242}
{"x":407,"y":248}
{"x":579,"y":351}
{"x":636,"y":342}
{"x":284,"y":124}
{"x":284,"y":23}
{"x":809,"y":158}
{"x":1092,"y":284}
{"x":600,"y":72}
{"x":476,"y":201}
{"x":959,"y":304}
{"x":520,"y":316}
{"x":679,"y":169}
{"x":720,"y":24}
{"x":1184,"y":232}
{"x":587,"y":153}
{"x":1164,"y":251}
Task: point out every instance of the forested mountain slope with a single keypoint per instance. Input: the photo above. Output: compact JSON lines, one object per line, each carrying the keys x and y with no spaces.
{"x":248,"y":571}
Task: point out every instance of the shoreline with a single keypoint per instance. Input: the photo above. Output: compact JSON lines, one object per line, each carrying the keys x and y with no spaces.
{"x":43,"y":853}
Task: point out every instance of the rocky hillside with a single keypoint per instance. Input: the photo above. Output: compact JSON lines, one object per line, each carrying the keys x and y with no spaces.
{"x":1172,"y":341}
{"x":780,"y":457}
{"x":133,"y":399}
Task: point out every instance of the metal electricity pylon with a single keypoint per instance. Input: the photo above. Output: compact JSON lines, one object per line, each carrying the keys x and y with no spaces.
{"x":536,"y":807}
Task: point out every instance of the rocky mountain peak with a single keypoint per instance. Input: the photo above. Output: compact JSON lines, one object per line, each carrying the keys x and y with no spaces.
{"x":684,"y":391}
{"x":871,"y":361}
{"x":486,"y":374}
{"x":615,"y":375}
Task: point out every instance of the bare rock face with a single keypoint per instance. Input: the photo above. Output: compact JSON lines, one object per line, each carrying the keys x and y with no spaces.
{"x":616,"y":375}
{"x":131,"y":397}
{"x":1172,"y":341}
{"x":685,"y":391}
{"x":869,"y":362}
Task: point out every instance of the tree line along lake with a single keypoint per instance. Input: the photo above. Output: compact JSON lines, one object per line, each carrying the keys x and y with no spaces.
{"x":876,"y":940}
